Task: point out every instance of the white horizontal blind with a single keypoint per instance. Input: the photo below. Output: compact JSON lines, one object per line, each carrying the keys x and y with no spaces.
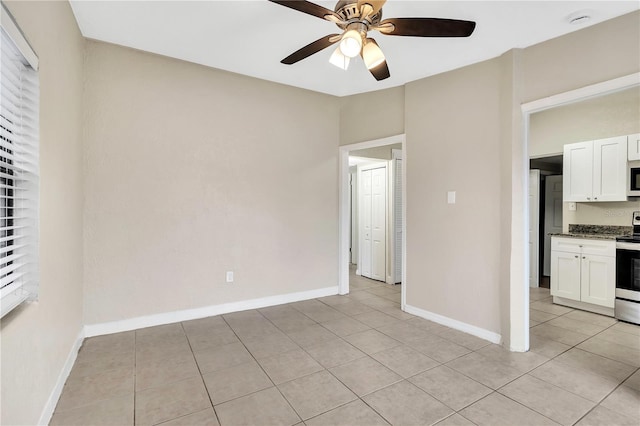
{"x":19,"y":181}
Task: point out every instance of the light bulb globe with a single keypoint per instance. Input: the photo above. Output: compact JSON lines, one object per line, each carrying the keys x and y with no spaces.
{"x":351,"y":44}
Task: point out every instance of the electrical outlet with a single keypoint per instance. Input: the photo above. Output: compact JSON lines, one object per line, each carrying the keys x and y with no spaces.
{"x":572,"y":207}
{"x":229,"y":276}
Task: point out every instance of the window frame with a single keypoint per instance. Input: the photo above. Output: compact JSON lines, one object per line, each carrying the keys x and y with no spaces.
{"x":19,"y":167}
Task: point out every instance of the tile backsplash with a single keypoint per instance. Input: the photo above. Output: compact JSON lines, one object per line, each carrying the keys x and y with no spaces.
{"x":619,"y":213}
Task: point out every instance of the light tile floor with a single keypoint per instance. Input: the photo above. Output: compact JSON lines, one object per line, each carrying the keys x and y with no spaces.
{"x":356,"y":360}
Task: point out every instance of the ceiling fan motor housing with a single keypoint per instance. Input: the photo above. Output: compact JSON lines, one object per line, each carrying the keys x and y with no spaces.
{"x":349,"y":11}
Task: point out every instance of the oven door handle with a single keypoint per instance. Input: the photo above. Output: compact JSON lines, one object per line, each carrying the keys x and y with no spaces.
{"x":628,"y":246}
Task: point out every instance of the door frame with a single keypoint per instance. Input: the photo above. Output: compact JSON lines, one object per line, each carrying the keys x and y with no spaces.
{"x":536,"y":230}
{"x":344,"y":221}
{"x":548,"y":193}
{"x":519,"y":306}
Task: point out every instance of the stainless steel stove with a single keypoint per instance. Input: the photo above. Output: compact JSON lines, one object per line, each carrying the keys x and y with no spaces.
{"x":627,"y":306}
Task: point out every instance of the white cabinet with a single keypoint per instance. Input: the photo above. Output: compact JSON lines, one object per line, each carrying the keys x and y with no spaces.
{"x":577,"y":173}
{"x":565,"y":275}
{"x":633,"y":147}
{"x":595,"y":171}
{"x":583,"y":270}
{"x":595,"y":274}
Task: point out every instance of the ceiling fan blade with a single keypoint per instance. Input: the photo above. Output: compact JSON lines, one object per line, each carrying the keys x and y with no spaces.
{"x":426,"y":27}
{"x":310,"y":49}
{"x":376,"y":5}
{"x":309,"y":8}
{"x":381,"y":71}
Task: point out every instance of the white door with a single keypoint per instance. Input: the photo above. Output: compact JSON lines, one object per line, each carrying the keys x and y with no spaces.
{"x":552,"y":216}
{"x":534,"y":227}
{"x":378,"y":223}
{"x":609,"y":169}
{"x":373,"y":220}
{"x":565,"y":275}
{"x":598,"y":280}
{"x":577,"y":164}
{"x":365,"y":223}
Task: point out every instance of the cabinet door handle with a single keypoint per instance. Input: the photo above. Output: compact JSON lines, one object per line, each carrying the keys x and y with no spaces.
{"x":588,"y":198}
{"x":595,"y":198}
{"x":576,"y":256}
{"x":583,"y":257}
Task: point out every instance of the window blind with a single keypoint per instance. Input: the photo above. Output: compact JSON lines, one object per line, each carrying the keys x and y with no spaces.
{"x":19,"y":181}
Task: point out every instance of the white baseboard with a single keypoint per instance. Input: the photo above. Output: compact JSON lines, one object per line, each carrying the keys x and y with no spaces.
{"x":50,"y":406}
{"x":455,"y":324}
{"x":207,"y":311}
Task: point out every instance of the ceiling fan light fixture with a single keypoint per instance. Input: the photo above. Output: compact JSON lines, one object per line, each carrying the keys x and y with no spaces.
{"x":372,"y":54}
{"x":351,"y":43}
{"x":339,"y":60}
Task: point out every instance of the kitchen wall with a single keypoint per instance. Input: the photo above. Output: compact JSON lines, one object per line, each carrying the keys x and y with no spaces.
{"x":191,"y":172}
{"x":38,"y":337}
{"x":619,"y":214}
{"x":606,"y":116}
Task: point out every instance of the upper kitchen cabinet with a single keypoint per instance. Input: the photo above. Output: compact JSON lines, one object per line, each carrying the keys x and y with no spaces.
{"x":633,"y":147}
{"x":595,"y":171}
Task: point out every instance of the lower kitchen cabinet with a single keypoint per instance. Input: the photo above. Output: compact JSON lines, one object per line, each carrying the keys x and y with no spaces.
{"x":597,"y":280}
{"x":583,"y":271}
{"x":565,"y":275}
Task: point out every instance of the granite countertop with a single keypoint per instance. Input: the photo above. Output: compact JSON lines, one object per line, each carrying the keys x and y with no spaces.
{"x":596,"y":232}
{"x":585,"y":236}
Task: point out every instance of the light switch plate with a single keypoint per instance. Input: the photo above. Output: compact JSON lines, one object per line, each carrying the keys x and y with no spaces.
{"x":451,"y":197}
{"x":229,"y":276}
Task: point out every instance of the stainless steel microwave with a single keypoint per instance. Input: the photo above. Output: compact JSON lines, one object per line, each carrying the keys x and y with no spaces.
{"x":633,"y":179}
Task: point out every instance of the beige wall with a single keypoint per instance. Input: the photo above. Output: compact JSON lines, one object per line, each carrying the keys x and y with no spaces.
{"x":452,"y":130}
{"x":191,"y":172}
{"x":598,"y":53}
{"x":37,"y":338}
{"x":372,"y":115}
{"x":603,"y":117}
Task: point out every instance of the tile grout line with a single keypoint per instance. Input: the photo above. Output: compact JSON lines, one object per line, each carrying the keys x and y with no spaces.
{"x":260,"y":365}
{"x":199,"y":372}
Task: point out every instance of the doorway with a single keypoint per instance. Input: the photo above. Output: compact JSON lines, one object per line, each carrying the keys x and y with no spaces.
{"x":351,"y":247}
{"x":519,"y":305}
{"x":545,"y":215}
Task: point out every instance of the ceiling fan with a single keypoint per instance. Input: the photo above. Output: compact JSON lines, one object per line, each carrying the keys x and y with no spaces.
{"x":356,"y":18}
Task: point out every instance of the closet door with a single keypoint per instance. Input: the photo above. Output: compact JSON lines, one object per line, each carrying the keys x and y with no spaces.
{"x":378,"y":223}
{"x":373,"y":221}
{"x":365,"y":223}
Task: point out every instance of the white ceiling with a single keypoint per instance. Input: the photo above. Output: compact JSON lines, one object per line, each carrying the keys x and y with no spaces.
{"x":251,"y":37}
